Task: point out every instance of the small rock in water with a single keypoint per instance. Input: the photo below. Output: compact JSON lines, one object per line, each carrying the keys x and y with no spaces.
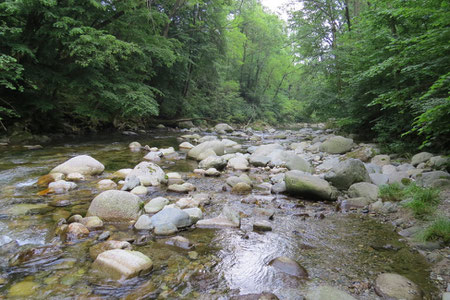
{"x":242,"y":188}
{"x":181,"y":188}
{"x":93,"y":222}
{"x":61,"y":186}
{"x":75,"y":177}
{"x":180,"y":242}
{"x":104,"y":236}
{"x":135,"y":146}
{"x":289,"y":266}
{"x":262,"y":226}
{"x":95,"y":250}
{"x":139,"y":190}
{"x":121,"y":264}
{"x":75,"y":218}
{"x":106,"y":184}
{"x":193,"y":255}
{"x":212,"y":172}
{"x":194,"y":213}
{"x":76,"y":231}
{"x":394,"y":286}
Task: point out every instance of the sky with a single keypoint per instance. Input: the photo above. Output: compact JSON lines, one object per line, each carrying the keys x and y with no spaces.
{"x":277,"y":6}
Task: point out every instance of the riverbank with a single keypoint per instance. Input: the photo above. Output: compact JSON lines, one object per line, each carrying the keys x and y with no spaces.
{"x":241,"y":186}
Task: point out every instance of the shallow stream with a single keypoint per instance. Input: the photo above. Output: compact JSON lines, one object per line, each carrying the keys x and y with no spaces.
{"x":343,"y":250}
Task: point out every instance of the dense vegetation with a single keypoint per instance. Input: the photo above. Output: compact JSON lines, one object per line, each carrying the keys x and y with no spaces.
{"x":379,"y":68}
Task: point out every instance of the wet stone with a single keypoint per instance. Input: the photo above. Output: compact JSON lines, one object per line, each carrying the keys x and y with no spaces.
{"x":327,"y":293}
{"x":23,"y":289}
{"x":394,"y":286}
{"x":262,"y":296}
{"x":262,"y":226}
{"x":180,"y":242}
{"x":95,"y":250}
{"x":289,"y":266}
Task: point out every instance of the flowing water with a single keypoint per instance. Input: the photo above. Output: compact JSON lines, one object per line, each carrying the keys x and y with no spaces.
{"x":343,"y":250}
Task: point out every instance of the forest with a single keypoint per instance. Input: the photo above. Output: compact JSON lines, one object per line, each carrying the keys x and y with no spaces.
{"x":379,"y":68}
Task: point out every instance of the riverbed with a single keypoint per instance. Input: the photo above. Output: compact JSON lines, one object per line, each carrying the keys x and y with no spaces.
{"x":345,"y":250}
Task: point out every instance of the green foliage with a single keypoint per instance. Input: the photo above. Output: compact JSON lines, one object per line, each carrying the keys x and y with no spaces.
{"x":391,"y":192}
{"x":384,"y":73}
{"x":421,"y":201}
{"x":438,"y":230}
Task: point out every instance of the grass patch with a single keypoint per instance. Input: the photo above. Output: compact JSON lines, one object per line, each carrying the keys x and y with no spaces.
{"x":392,"y":192}
{"x":423,"y":201}
{"x":438,"y":230}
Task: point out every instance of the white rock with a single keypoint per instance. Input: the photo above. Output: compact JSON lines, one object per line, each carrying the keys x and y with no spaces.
{"x":106,"y":184}
{"x":83,"y":164}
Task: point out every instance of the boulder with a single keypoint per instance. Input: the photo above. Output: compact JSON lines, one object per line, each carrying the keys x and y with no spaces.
{"x":76,"y":231}
{"x":106,"y":184}
{"x":364,"y":189}
{"x":155,"y":205}
{"x":348,"y":172}
{"x":83,"y":164}
{"x":139,"y":190}
{"x":388,"y":169}
{"x":153,"y":157}
{"x":61,"y":186}
{"x":194,"y":213}
{"x":144,"y":223}
{"x":121,"y":264}
{"x":259,"y":161}
{"x":181,"y":188}
{"x":187,"y":203}
{"x":262,"y":225}
{"x":213,"y":161}
{"x":92,"y":223}
{"x":223,"y":127}
{"x":227,"y":219}
{"x":167,"y":151}
{"x":75,"y":177}
{"x":233,"y":180}
{"x":381,"y":160}
{"x":290,"y":160}
{"x":364,"y":153}
{"x":350,"y":203}
{"x":302,"y":184}
{"x":327,"y":293}
{"x":242,"y":188}
{"x":95,"y":250}
{"x":121,"y":174}
{"x":379,"y":179}
{"x":213,"y":172}
{"x":289,"y":266}
{"x":115,"y":205}
{"x":216,"y":146}
{"x":147,"y":174}
{"x":186,"y":146}
{"x":165,"y":229}
{"x":336,"y":145}
{"x":171,"y":215}
{"x":135,"y":146}
{"x":238,"y":163}
{"x":421,"y":157}
{"x":394,"y":286}
{"x":433,"y":179}
{"x":438,"y":162}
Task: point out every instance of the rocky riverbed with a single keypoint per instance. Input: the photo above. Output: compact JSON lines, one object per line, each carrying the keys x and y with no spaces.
{"x":217,"y":213}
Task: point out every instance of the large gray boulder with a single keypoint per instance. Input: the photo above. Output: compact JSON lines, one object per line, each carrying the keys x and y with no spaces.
{"x":289,"y":159}
{"x":213,"y":161}
{"x":115,"y":206}
{"x":302,"y":184}
{"x":433,"y":179}
{"x":238,"y":163}
{"x":171,"y":215}
{"x":348,"y":172}
{"x":327,"y":293}
{"x":223,"y":127}
{"x":364,"y":189}
{"x":394,"y":286}
{"x":420,"y":158}
{"x":147,"y":174}
{"x":337,"y":145}
{"x":217,"y":146}
{"x":266,"y":150}
{"x":121,"y":264}
{"x":155,"y":205}
{"x":83,"y":164}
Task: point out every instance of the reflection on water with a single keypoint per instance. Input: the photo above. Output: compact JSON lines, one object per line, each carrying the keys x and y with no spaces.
{"x":338,"y":250}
